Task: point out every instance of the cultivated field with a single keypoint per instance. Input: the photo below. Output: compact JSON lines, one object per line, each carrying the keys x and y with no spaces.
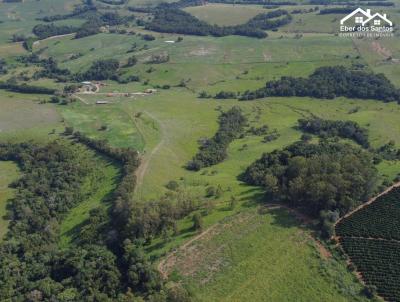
{"x":370,"y":236}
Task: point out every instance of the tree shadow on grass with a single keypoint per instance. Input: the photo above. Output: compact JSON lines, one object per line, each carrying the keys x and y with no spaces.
{"x":283,"y":218}
{"x":75,"y":231}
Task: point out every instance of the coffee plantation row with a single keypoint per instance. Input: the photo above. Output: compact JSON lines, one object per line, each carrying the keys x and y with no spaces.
{"x":378,"y":262}
{"x":371,"y":238}
{"x":379,"y":219}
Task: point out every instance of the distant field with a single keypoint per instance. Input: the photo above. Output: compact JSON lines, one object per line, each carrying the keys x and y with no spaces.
{"x":225,"y":14}
{"x":383,"y":56}
{"x":20,"y":18}
{"x":22,"y":113}
{"x":233,"y":63}
{"x":262,"y":257}
{"x":8,"y":173}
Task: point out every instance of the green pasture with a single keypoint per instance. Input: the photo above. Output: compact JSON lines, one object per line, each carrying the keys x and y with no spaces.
{"x":185,"y":119}
{"x":22,"y":117}
{"x":207,"y":62}
{"x":120,"y":131}
{"x":263,"y":257}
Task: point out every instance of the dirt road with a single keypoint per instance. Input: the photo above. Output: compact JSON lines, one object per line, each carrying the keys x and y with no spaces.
{"x":141,"y":171}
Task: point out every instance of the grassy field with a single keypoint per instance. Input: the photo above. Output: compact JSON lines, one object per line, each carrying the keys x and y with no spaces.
{"x":121,"y":130}
{"x":207,"y":62}
{"x":225,"y":14}
{"x":22,"y":117}
{"x":9,"y":172}
{"x":262,"y":257}
{"x":185,"y":119}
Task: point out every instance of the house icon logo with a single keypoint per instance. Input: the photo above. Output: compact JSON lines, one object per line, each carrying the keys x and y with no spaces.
{"x":358,"y":16}
{"x":363,"y":21}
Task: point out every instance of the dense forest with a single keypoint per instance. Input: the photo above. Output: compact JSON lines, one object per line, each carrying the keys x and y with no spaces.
{"x":214,"y":150}
{"x":331,"y":82}
{"x":107,"y":261}
{"x":326,"y":180}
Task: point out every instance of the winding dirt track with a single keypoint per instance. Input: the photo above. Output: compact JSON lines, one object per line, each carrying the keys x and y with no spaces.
{"x":141,"y":171}
{"x":163,"y":265}
{"x":51,"y":38}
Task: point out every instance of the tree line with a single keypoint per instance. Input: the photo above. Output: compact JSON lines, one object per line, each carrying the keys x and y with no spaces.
{"x":214,"y":150}
{"x":25,"y":88}
{"x":331,"y":82}
{"x":172,"y":20}
{"x":43,"y":31}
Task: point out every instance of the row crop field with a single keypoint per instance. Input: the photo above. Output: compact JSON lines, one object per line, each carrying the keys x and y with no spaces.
{"x":370,"y":237}
{"x":368,"y":222}
{"x":378,"y":262}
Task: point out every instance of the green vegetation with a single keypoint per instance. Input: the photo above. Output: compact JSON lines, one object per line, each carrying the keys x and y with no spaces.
{"x":100,"y":70}
{"x":330,"y":82}
{"x":328,"y":128}
{"x":224,"y":15}
{"x":8,"y":174}
{"x":123,"y":128}
{"x":170,"y":204}
{"x":43,"y":31}
{"x":325,"y":179}
{"x":213,"y":151}
{"x":370,"y":237}
{"x":177,"y":21}
{"x":24,"y":88}
{"x":98,"y":188}
{"x":262,"y":257}
{"x":377,"y":260}
{"x":377,"y":220}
